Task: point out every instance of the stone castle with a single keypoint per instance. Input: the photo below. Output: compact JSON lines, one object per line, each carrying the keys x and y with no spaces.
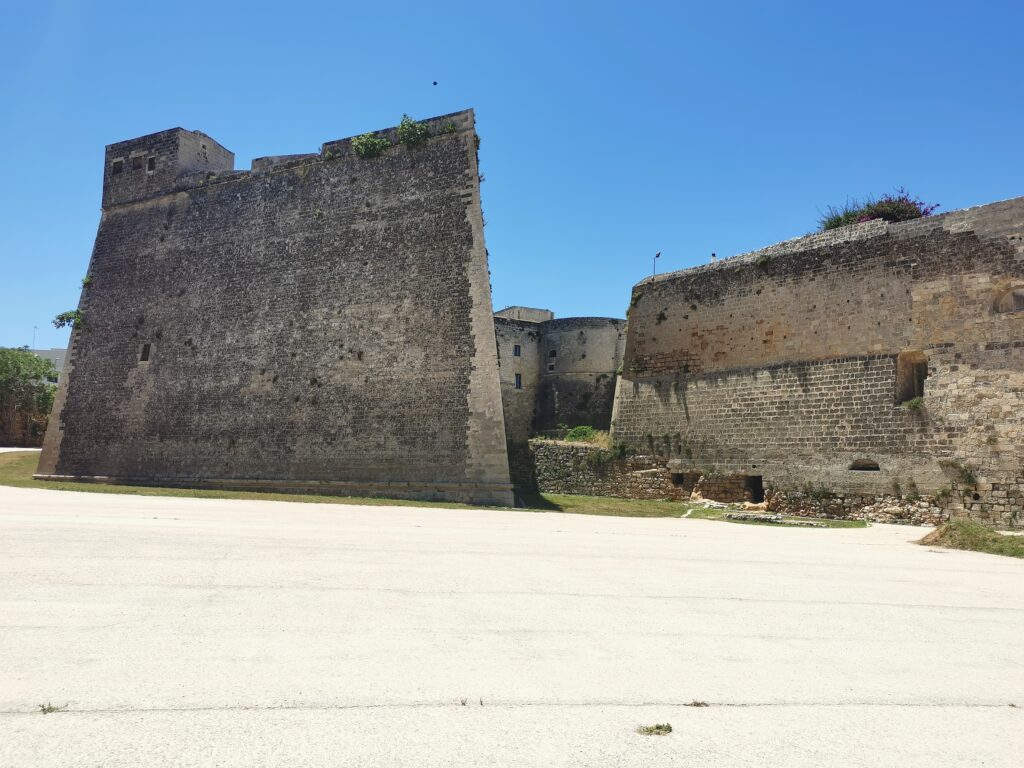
{"x":193,"y":362}
{"x":556,"y":372}
{"x":875,"y":361}
{"x":872,"y":360}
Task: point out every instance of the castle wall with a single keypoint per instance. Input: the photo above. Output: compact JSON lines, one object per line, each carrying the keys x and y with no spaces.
{"x":322,"y":324}
{"x":567,"y":370}
{"x":529,"y":314}
{"x":579,"y":357}
{"x":786,"y":363}
{"x":519,"y":404}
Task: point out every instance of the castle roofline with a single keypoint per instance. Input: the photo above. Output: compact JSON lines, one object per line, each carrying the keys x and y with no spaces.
{"x":149,"y":137}
{"x":961,"y":220}
{"x":197,"y":161}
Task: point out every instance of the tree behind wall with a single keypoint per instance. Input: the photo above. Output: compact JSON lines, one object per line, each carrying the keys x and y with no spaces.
{"x":26,"y":396}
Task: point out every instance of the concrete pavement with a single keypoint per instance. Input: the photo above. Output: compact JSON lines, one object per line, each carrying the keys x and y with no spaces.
{"x":193,"y":632}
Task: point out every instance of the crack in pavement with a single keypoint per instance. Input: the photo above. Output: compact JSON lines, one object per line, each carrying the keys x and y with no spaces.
{"x":691,"y":704}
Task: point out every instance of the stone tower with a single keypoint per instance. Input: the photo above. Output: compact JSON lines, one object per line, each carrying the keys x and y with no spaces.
{"x":319,"y":322}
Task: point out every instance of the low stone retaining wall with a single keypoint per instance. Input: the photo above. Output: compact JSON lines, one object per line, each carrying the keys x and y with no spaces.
{"x":554,"y":466}
{"x":732,"y":489}
{"x":590,"y":471}
{"x":877,"y":509}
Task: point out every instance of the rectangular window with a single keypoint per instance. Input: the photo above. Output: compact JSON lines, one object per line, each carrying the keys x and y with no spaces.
{"x":136,"y":163}
{"x":117,"y":167}
{"x":911,"y":371}
{"x":144,"y":355}
{"x":551,"y":367}
{"x":151,"y":164}
{"x":553,"y":353}
{"x":519,"y":381}
{"x":517,"y":351}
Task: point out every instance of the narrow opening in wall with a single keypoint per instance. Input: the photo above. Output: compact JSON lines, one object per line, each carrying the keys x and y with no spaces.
{"x":136,"y":163}
{"x":911,"y":371}
{"x":519,"y":381}
{"x":517,"y":351}
{"x":553,"y":353}
{"x":1010,"y":301}
{"x":685,"y":480}
{"x":144,"y":355}
{"x":151,"y":164}
{"x":117,"y":167}
{"x":754,"y":484}
{"x":865,"y":465}
{"x":551,"y":367}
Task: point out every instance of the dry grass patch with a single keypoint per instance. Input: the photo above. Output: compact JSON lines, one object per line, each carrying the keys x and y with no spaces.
{"x":975,"y":537}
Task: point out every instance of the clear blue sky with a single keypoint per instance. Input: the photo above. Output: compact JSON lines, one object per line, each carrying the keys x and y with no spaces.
{"x":610,"y":130}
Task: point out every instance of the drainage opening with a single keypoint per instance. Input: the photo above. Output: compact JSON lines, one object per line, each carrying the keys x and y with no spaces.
{"x":865,"y":465}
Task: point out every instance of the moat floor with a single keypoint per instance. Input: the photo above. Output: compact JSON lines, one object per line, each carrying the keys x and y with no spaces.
{"x":193,"y":632}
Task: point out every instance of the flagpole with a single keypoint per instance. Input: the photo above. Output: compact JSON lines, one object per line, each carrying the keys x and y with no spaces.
{"x":654,"y":264}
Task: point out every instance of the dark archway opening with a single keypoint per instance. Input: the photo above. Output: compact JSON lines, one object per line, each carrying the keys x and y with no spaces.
{"x":755,"y":487}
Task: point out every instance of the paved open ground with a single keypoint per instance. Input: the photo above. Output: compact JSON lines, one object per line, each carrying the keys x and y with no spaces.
{"x":185,"y":632}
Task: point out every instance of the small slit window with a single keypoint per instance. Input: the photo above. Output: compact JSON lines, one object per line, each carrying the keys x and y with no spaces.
{"x":144,"y":354}
{"x":151,"y":164}
{"x":517,"y":351}
{"x":911,"y":371}
{"x":136,"y":163}
{"x":519,"y":381}
{"x":551,"y":367}
{"x":1010,"y":301}
{"x":117,"y":167}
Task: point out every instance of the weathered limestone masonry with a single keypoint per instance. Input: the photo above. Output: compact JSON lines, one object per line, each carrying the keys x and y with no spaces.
{"x":517,"y":332}
{"x":583,"y":469}
{"x":869,"y":363}
{"x":578,"y":468}
{"x":319,"y":322}
{"x":556,"y":371}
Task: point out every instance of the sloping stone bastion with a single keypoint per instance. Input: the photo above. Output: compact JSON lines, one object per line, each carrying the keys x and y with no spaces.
{"x":319,"y":322}
{"x":831,"y":371}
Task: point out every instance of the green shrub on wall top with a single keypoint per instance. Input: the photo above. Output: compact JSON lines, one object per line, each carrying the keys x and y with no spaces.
{"x":580,"y":434}
{"x":369,"y":145}
{"x":412,"y":133}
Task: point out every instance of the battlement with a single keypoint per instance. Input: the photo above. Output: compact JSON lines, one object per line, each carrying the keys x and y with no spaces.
{"x":525,"y":314}
{"x":178,"y":160}
{"x":150,"y":165}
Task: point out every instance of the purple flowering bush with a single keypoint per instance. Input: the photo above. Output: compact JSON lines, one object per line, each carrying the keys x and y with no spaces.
{"x":897,"y":206}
